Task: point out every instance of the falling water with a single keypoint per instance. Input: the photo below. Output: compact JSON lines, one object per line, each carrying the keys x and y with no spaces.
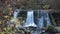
{"x":16,"y":13}
{"x":30,"y":19}
{"x":43,"y":19}
{"x":40,"y":19}
{"x":48,"y":19}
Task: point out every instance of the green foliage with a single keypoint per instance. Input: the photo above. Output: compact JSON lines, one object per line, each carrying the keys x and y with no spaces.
{"x":1,"y":32}
{"x":51,"y":29}
{"x":31,"y":4}
{"x":28,"y":4}
{"x":7,"y":8}
{"x":46,"y":6}
{"x":53,"y":21}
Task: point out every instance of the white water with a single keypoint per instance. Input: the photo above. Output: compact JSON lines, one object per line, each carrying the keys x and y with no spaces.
{"x":30,"y":19}
{"x":15,"y":14}
{"x":40,"y":22}
{"x":44,"y":15}
{"x":48,"y":20}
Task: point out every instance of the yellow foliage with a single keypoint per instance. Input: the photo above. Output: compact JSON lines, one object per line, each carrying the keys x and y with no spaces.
{"x":4,"y":28}
{"x":22,"y":31}
{"x":6,"y":16}
{"x":1,"y":32}
{"x":46,"y":6}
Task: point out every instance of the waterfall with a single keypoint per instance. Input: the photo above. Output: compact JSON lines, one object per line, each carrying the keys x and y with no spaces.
{"x":44,"y":20}
{"x":15,"y":14}
{"x":30,"y":19}
{"x":40,"y":19}
{"x":48,"y":20}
